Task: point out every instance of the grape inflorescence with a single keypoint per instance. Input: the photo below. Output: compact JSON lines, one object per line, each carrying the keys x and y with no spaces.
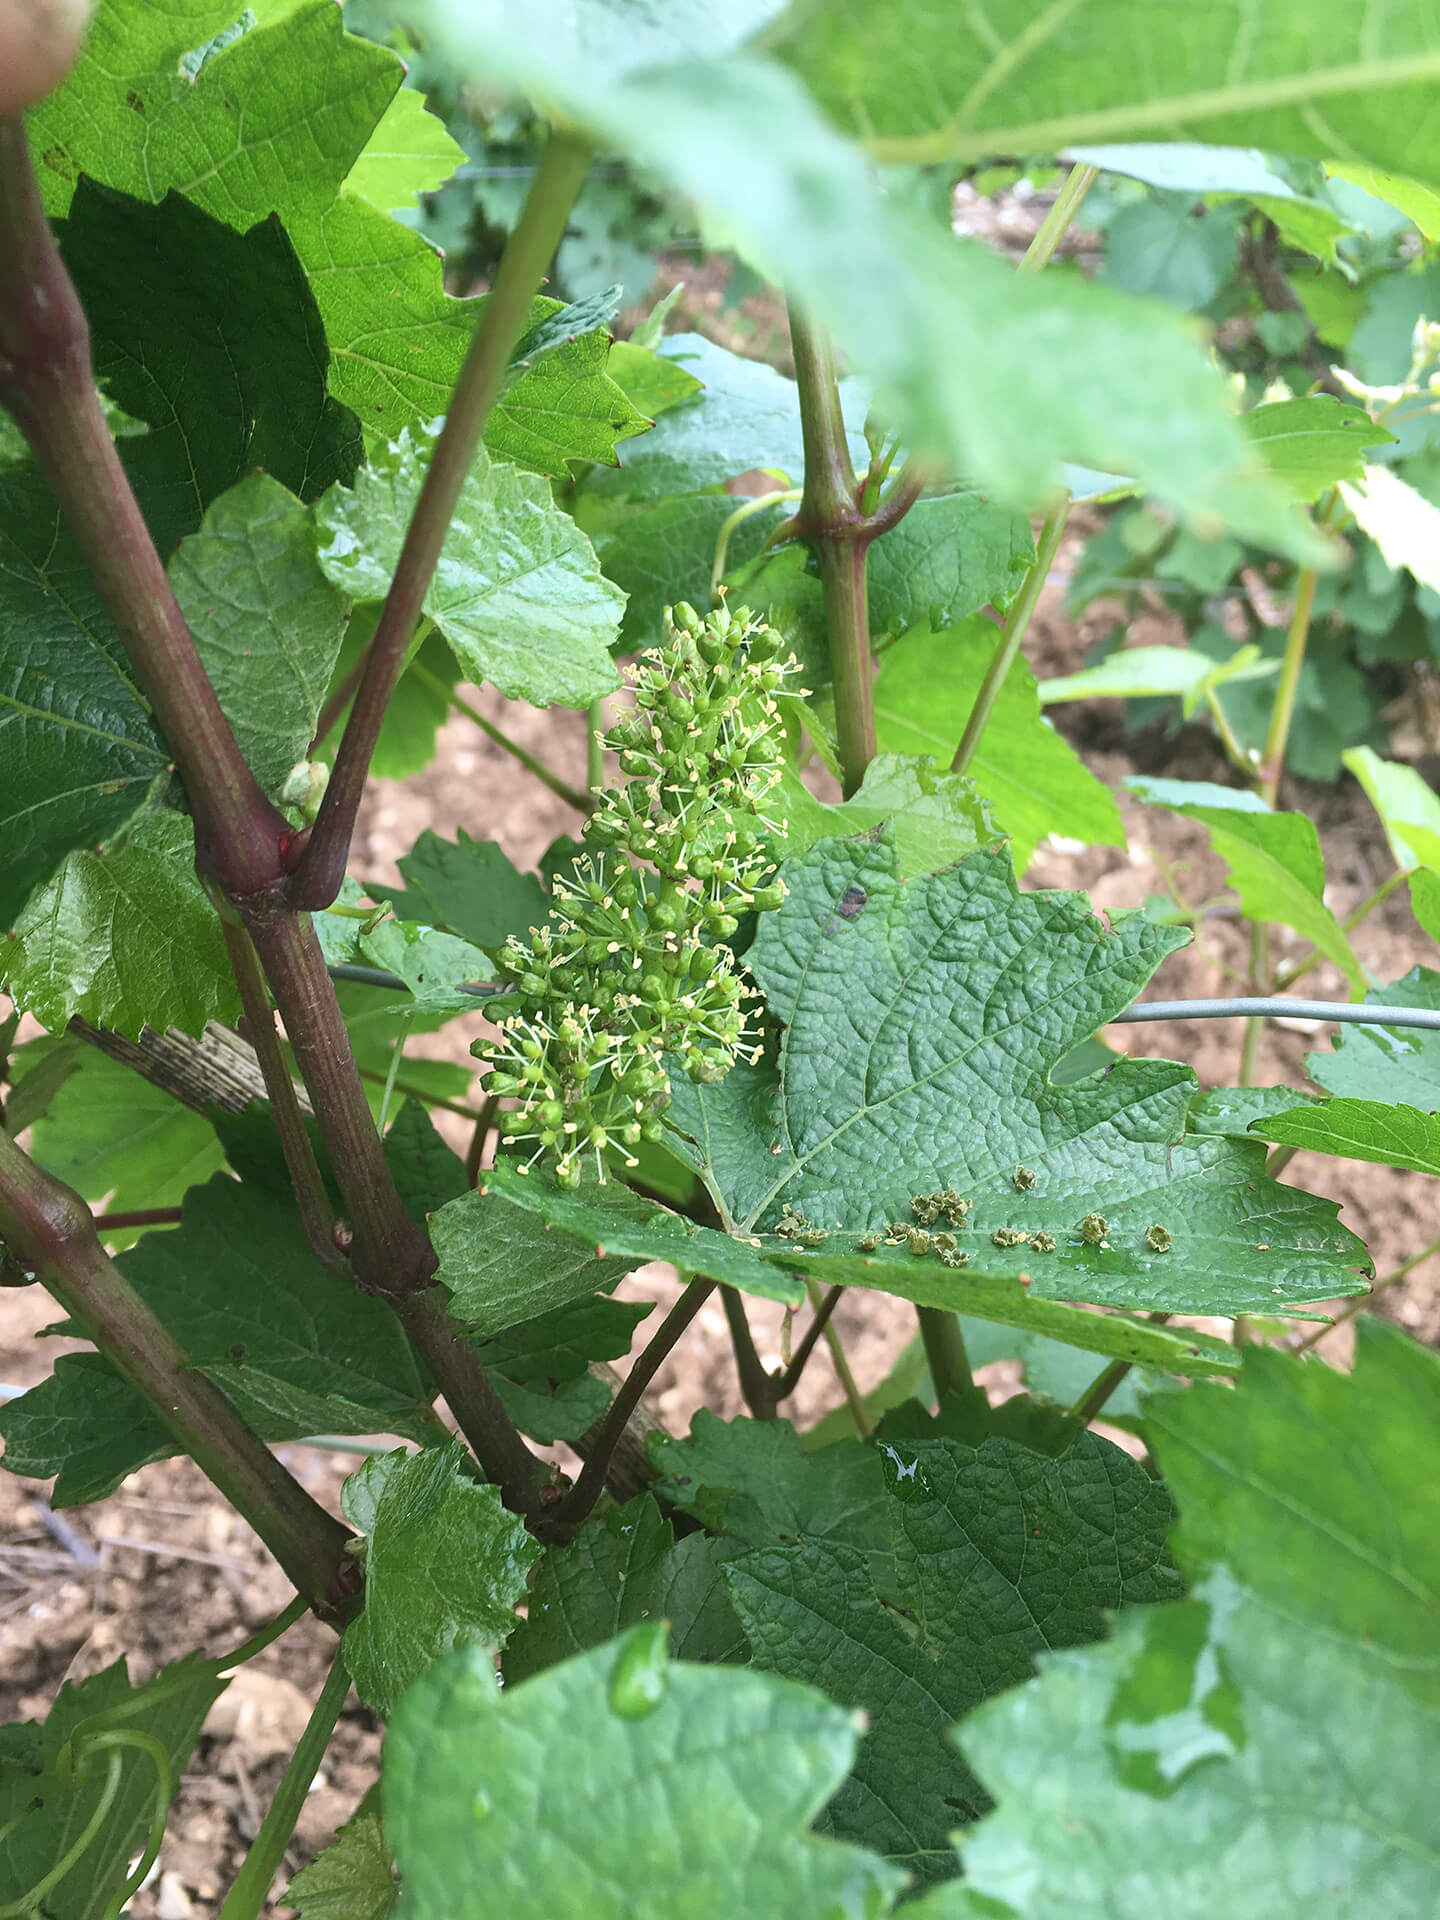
{"x":632,"y":965}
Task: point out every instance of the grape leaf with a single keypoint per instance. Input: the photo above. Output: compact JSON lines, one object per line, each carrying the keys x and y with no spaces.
{"x":213,"y":338}
{"x":1006,"y":375}
{"x":615,"y":1224}
{"x":1150,"y":1773}
{"x":502,"y":1263}
{"x":1050,"y":1370}
{"x":1387,"y":1063}
{"x":419,"y":706}
{"x":921,"y":1024}
{"x":1314,"y":442}
{"x":517,"y":591}
{"x":1274,"y":859}
{"x":659,"y":552}
{"x":1133,"y":673}
{"x":314,"y":99}
{"x":126,"y":939}
{"x":408,"y":153}
{"x":85,"y":1426}
{"x":1231,"y":1109}
{"x":445,"y":1566}
{"x":266,"y":621}
{"x":754,"y":1480}
{"x":113,"y":1136}
{"x":1404,"y":800}
{"x":1034,"y":779}
{"x":1425,"y":900}
{"x":291,"y":1343}
{"x":626,"y":1566}
{"x":936,"y":817}
{"x":1387,"y":1133}
{"x":50,"y":1789}
{"x":354,"y":1878}
{"x":541,"y":1368}
{"x":469,"y":886}
{"x":78,"y":750}
{"x":1404,"y":525}
{"x":922,"y":94}
{"x":709,"y":1775}
{"x":999,"y":1554}
{"x":426,"y":1171}
{"x":650,"y":380}
{"x":746,"y":416}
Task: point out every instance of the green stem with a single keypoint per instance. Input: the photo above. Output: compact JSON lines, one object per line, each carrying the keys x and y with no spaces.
{"x":47,"y":382}
{"x":1090,"y":1404}
{"x":1078,"y":183}
{"x":594,"y":747}
{"x":306,"y":1179}
{"x":397,"y":1054}
{"x":423,"y":1094}
{"x":588,"y":1488}
{"x":1235,"y":752}
{"x":561,"y":788}
{"x":1012,"y":634}
{"x":266,"y":1637}
{"x":738,"y":519}
{"x":247,"y":1898}
{"x":819,"y":1320}
{"x":1358,"y":1305}
{"x":831,"y":519}
{"x":528,"y":252}
{"x":1272,"y":761}
{"x":49,"y":1229}
{"x":945,"y":1351}
{"x":1255,"y":1028}
{"x":854,"y":1399}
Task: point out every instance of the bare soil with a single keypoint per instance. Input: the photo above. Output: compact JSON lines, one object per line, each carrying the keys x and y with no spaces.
{"x":164,"y":1566}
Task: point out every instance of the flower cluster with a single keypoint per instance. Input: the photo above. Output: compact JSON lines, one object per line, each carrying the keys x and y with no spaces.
{"x":632,"y":966}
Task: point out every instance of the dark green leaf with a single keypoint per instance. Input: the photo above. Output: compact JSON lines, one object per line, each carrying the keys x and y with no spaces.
{"x":708,"y":1776}
{"x":659,"y":552}
{"x":651,"y":381}
{"x":265,"y":619}
{"x":1274,"y":859}
{"x":354,"y":1878}
{"x":470,"y":886}
{"x":84,"y":1425}
{"x":503,"y":1264}
{"x":626,"y":1566}
{"x":754,"y":1480}
{"x":610,"y":1223}
{"x":1425,"y":900}
{"x":78,"y":751}
{"x":1145,"y":1774}
{"x":517,"y":591}
{"x":213,"y":338}
{"x":445,"y":1566}
{"x":426,"y":1171}
{"x":53,"y":1782}
{"x":541,"y":1368}
{"x":921,"y":1024}
{"x":1034,"y":779}
{"x":999,"y":1554}
{"x":292,"y":1344}
{"x":126,"y":939}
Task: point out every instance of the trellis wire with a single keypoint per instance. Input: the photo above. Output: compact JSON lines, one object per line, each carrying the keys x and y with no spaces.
{"x":1277,"y":1008}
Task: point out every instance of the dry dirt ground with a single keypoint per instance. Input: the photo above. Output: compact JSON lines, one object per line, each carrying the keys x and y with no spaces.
{"x":164,"y":1567}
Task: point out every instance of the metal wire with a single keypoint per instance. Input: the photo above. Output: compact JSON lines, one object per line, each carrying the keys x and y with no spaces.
{"x":1279,"y":1008}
